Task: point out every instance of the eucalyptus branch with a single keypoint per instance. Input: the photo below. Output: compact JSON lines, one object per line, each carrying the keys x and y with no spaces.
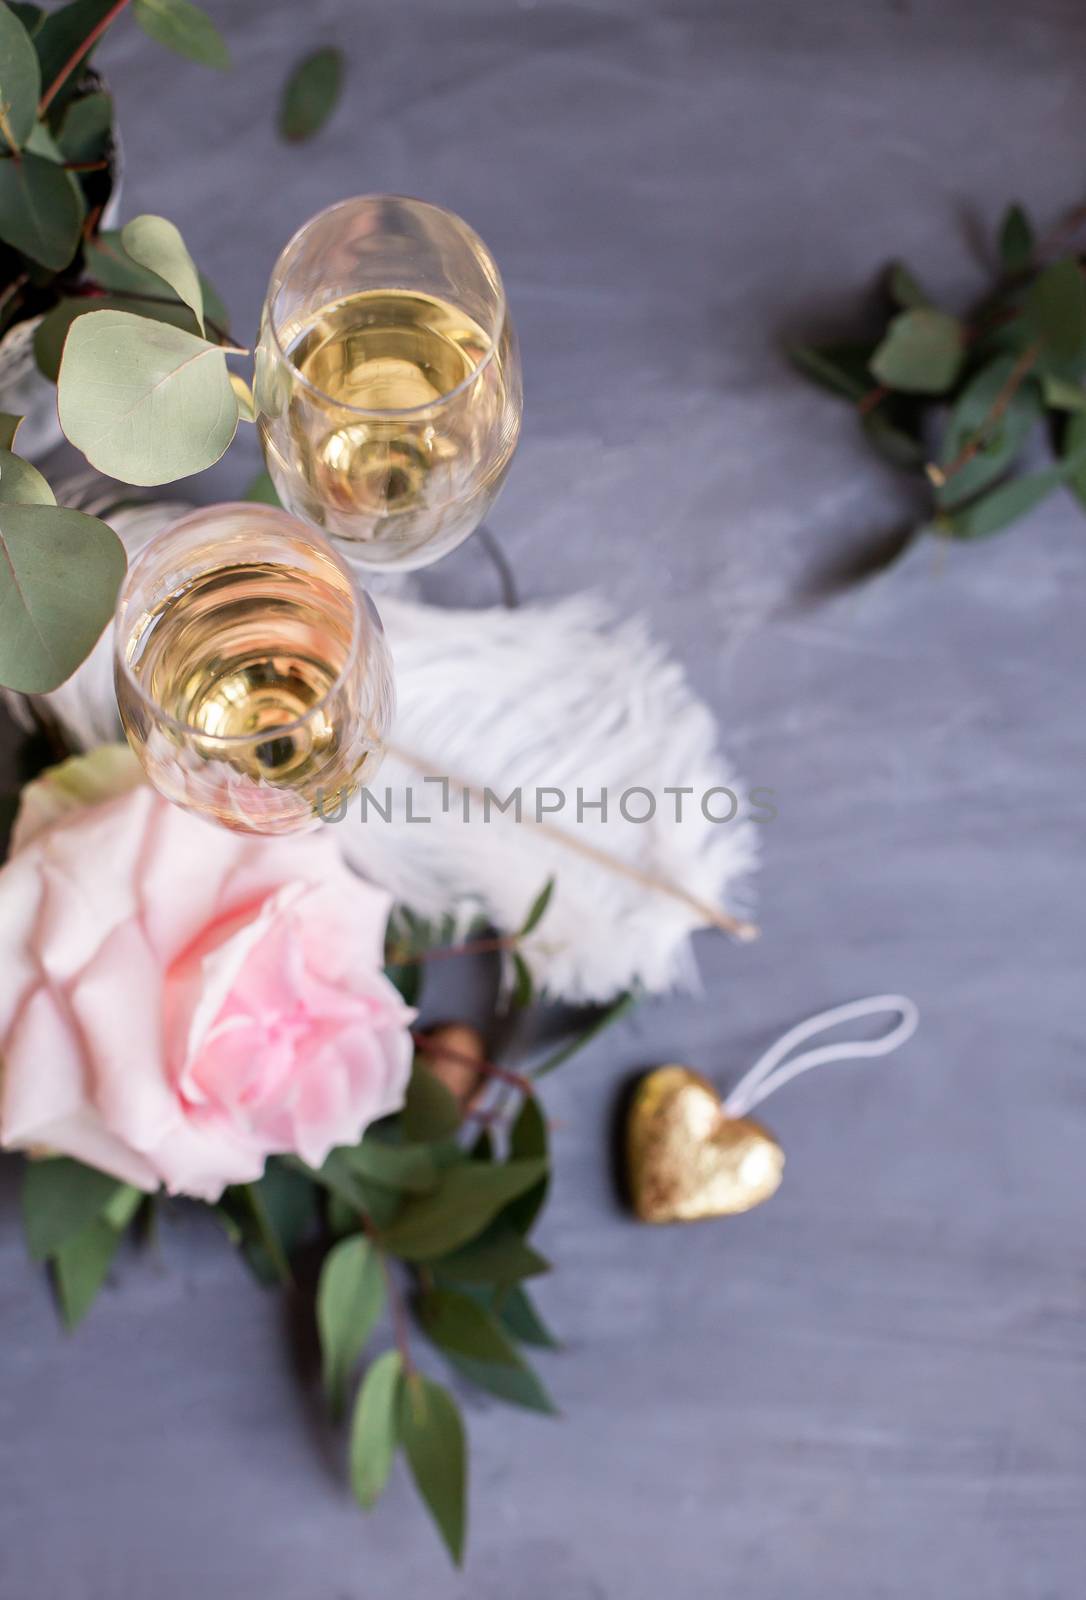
{"x":6,"y":130}
{"x":91,"y":289}
{"x":940,"y":476}
{"x":78,"y":54}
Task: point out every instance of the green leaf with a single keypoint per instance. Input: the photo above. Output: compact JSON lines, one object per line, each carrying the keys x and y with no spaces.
{"x":81,"y":1265}
{"x":22,"y":484}
{"x":406,"y":1167}
{"x":841,"y":368}
{"x":499,"y":1256}
{"x":41,"y":210}
{"x":432,"y":1435}
{"x":9,"y":427}
{"x":262,"y":490}
{"x":49,"y":623}
{"x":20,"y":82}
{"x":614,"y":1013}
{"x":523,"y":987}
{"x":1054,"y":317}
{"x":374,"y":1428}
{"x":122,"y":1206}
{"x":518,"y":1313}
{"x":904,"y":289}
{"x":1002,"y":442}
{"x":430,"y":1111}
{"x":1074,"y":454}
{"x":529,"y":1140}
{"x":87,"y":128}
{"x":60,"y":1199}
{"x":469,"y":1196}
{"x":310,"y":95}
{"x":517,"y":1386}
{"x":350,"y":1298}
{"x":62,"y":32}
{"x":183,"y":27}
{"x":30,"y":16}
{"x":539,"y":909}
{"x":1015,"y":241}
{"x":893,"y":443}
{"x":1004,"y":505}
{"x":921,"y":353}
{"x":153,"y":242}
{"x":145,"y":402}
{"x":1059,"y":395}
{"x":52,"y":330}
{"x":460,"y":1325}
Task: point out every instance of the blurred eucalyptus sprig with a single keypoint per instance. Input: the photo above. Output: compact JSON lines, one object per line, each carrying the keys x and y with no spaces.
{"x":962,"y":400}
{"x":61,"y":569}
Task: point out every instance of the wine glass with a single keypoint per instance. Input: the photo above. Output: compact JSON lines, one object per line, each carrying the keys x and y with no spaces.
{"x":388,"y":388}
{"x":253,"y":677}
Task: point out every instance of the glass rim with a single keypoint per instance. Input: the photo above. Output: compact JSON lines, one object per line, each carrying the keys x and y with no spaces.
{"x":236,"y":741}
{"x":482,"y":249}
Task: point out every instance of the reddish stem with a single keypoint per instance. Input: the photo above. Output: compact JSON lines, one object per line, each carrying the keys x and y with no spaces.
{"x":428,"y":1047}
{"x":473,"y":947}
{"x":77,"y":55}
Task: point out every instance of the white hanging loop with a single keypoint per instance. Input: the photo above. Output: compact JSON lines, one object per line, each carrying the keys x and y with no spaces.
{"x":771,"y":1071}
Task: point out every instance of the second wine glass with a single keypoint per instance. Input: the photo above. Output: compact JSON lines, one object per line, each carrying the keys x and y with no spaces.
{"x":388,"y":386}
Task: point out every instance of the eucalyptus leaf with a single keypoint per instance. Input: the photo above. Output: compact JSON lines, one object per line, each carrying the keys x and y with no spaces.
{"x":841,"y":368}
{"x":523,"y":986}
{"x":183,"y":27}
{"x":87,"y":129}
{"x":1054,"y":317}
{"x":9,"y":427}
{"x":41,"y":210}
{"x":246,"y":406}
{"x":20,"y":81}
{"x":52,"y":330}
{"x":921,"y":353}
{"x":1002,"y":441}
{"x":457,"y":1323}
{"x":22,"y":484}
{"x":538,"y":909}
{"x":1015,"y":241}
{"x":155,"y":243}
{"x":50,"y":620}
{"x":311,"y":94}
{"x":63,"y":31}
{"x":498,"y":1256}
{"x":375,"y":1427}
{"x":517,"y":1386}
{"x":430,"y":1110}
{"x":406,"y":1167}
{"x":350,"y":1298}
{"x":81,"y":1266}
{"x":469,"y":1196}
{"x":893,"y":442}
{"x":904,"y":288}
{"x":1074,"y":449}
{"x":432,"y":1436}
{"x":1059,"y":395}
{"x":518,"y":1314}
{"x":145,"y":402}
{"x":529,"y":1140}
{"x":1004,"y":505}
{"x":60,"y":1198}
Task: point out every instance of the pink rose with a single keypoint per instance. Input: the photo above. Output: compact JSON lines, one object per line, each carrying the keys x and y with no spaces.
{"x":178,"y":1002}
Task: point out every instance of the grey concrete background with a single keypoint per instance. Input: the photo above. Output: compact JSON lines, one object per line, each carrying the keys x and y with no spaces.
{"x":873,"y":1387}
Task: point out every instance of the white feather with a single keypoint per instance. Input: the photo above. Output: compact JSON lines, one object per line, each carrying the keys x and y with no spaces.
{"x":562,"y":697}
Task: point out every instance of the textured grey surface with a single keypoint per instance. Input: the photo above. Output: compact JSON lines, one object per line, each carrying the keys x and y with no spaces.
{"x":874,"y":1386}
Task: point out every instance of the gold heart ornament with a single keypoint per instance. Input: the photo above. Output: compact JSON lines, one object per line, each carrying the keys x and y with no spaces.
{"x":686,"y":1158}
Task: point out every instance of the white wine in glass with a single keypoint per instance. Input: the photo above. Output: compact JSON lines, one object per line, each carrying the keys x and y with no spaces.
{"x":252,"y":675}
{"x":388,"y":381}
